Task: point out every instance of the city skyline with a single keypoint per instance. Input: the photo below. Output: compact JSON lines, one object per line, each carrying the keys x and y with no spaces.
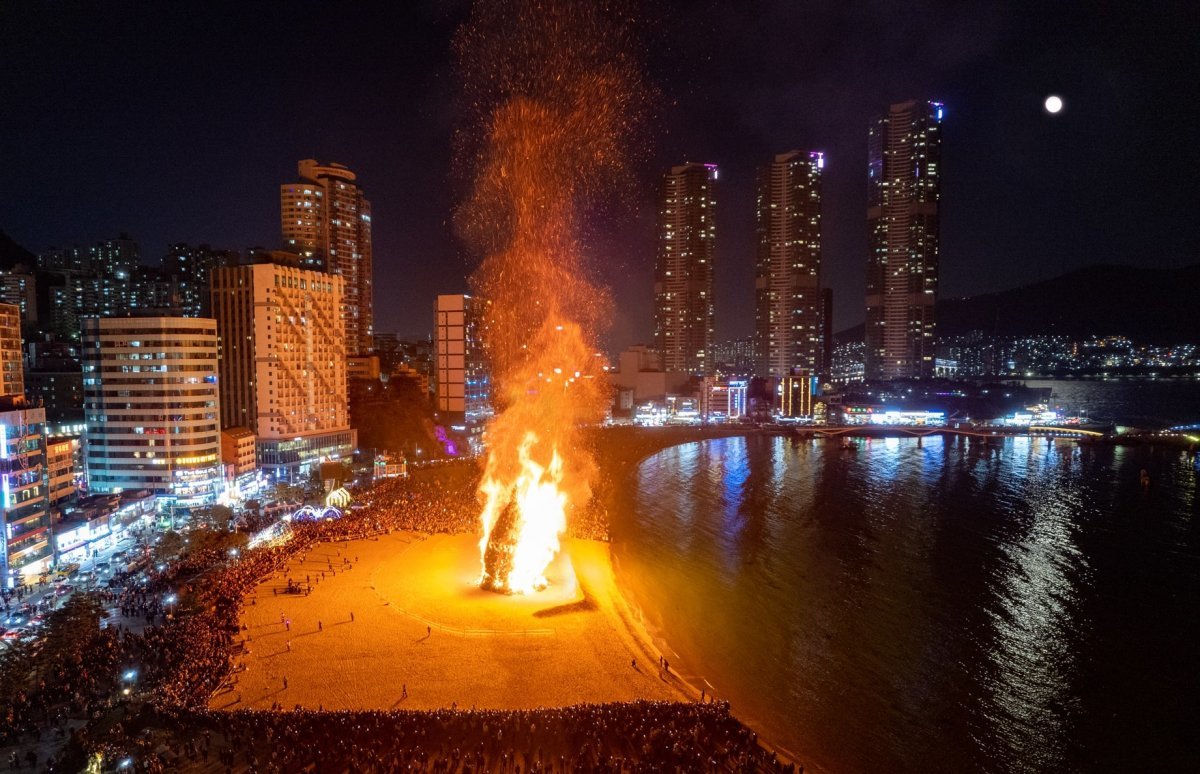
{"x":733,"y":386}
{"x":1002,"y":144}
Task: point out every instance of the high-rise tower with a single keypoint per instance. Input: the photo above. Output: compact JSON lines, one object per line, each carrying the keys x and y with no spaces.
{"x":904,"y":185}
{"x":787,"y":281}
{"x":327,"y":220}
{"x":683,"y":276}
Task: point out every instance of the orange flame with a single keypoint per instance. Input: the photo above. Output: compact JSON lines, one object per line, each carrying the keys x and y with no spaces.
{"x":557,"y":95}
{"x":541,"y":518}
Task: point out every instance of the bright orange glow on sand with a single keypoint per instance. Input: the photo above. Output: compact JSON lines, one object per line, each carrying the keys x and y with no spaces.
{"x":555,"y":93}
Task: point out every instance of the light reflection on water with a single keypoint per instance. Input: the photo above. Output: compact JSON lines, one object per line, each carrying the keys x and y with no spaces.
{"x":936,"y":604}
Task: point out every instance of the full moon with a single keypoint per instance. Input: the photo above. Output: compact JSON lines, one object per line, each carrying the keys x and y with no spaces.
{"x":1054,"y":103}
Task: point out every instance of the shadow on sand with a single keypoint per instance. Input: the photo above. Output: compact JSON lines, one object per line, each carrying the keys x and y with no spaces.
{"x":579,"y":606}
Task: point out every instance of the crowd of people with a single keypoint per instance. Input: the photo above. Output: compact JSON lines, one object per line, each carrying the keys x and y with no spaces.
{"x":185,"y":653}
{"x":615,"y":737}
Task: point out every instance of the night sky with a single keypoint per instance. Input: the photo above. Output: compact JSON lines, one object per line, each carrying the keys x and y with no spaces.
{"x":179,"y":121}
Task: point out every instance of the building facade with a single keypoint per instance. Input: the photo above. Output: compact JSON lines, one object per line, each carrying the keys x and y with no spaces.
{"x":683,"y":275}
{"x":283,"y":364}
{"x":462,"y":382}
{"x":796,"y":393}
{"x":787,"y":282}
{"x":188,"y":269}
{"x":12,"y":360}
{"x":327,"y":221}
{"x":723,"y":400}
{"x":19,"y":288}
{"x":61,"y":453}
{"x":904,"y":188}
{"x":25,"y":507}
{"x":151,"y":407}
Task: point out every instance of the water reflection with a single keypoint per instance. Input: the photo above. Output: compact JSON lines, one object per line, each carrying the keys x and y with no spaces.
{"x":978,"y":600}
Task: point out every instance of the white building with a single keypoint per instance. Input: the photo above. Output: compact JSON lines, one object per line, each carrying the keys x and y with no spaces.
{"x":151,"y":406}
{"x":283,"y":364}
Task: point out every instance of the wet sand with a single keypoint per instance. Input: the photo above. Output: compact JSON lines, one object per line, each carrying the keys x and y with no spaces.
{"x":421,"y":624}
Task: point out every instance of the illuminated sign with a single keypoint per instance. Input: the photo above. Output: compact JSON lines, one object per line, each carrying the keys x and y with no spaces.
{"x":312,"y":513}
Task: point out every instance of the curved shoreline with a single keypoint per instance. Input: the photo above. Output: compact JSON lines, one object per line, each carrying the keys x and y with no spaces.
{"x":635,"y":618}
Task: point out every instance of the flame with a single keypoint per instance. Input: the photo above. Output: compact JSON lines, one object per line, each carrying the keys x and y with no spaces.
{"x":541,"y":518}
{"x":556,"y":95}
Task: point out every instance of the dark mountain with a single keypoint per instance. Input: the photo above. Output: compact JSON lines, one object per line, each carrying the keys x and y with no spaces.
{"x":12,"y":253}
{"x":1154,"y":306}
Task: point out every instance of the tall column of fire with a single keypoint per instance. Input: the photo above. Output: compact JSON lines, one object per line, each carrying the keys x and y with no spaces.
{"x":554,"y":91}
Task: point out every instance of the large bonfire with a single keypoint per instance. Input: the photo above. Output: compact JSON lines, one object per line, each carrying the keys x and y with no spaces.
{"x":555,"y":94}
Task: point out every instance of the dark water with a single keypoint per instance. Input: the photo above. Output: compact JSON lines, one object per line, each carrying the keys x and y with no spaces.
{"x":935,"y":605}
{"x":1148,"y":403}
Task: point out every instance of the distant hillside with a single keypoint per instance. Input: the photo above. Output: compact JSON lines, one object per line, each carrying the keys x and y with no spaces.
{"x":12,"y":253}
{"x":1148,"y":305}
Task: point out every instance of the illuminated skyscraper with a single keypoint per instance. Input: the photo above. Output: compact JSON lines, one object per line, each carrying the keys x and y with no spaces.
{"x":787,"y":279}
{"x":327,"y":220}
{"x":683,"y":276}
{"x":904,"y":186}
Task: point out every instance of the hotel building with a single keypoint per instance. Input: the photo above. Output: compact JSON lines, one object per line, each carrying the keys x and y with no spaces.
{"x":150,"y":407}
{"x":283,"y":364}
{"x":327,"y":221}
{"x":904,"y":152}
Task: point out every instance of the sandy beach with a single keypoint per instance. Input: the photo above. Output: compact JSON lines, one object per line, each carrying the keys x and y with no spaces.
{"x":423,"y":636}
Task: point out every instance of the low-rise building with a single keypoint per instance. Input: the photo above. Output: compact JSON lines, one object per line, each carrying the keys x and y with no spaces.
{"x":639,"y":369}
{"x":796,"y":393}
{"x":723,"y":400}
{"x":61,"y":456}
{"x":237,"y":451}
